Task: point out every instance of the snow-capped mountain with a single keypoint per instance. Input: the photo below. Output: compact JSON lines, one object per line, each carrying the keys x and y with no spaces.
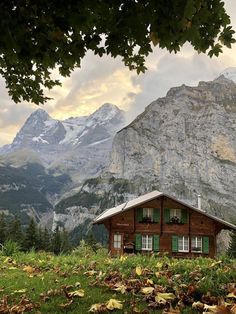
{"x":79,"y":146}
{"x":230,"y":73}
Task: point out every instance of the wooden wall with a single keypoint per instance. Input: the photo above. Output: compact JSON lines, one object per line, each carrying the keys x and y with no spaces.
{"x":126,"y":224}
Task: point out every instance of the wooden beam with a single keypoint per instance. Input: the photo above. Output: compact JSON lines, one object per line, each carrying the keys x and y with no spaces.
{"x":162,"y":215}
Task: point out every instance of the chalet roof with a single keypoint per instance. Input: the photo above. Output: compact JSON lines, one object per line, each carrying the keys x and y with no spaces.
{"x":149,"y":197}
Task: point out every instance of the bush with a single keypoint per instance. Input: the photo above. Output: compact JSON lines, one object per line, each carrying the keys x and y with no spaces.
{"x":10,"y":248}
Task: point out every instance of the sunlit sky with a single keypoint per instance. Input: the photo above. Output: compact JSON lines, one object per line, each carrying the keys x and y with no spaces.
{"x":101,"y":80}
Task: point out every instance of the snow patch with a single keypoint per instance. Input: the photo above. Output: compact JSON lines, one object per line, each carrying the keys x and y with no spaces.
{"x":39,"y":139}
{"x":99,"y":142}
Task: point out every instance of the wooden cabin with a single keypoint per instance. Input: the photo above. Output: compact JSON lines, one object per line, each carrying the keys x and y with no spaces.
{"x":156,"y":222}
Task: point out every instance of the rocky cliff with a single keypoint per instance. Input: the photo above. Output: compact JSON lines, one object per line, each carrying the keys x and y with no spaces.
{"x":183,"y":144}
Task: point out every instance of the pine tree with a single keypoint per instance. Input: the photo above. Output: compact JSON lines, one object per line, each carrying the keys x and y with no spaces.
{"x":14,"y":231}
{"x":3,"y":231}
{"x":232,"y":246}
{"x":40,"y":239}
{"x":56,"y":241}
{"x":91,"y":241}
{"x":31,"y":236}
{"x":46,"y":240}
{"x":65,"y":243}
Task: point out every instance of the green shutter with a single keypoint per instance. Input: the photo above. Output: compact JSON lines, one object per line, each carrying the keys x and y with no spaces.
{"x":205,"y":241}
{"x":139,"y":214}
{"x":184,"y":216}
{"x":156,"y":240}
{"x":166,"y":215}
{"x":174,"y":243}
{"x":138,"y":242}
{"x":156,"y":214}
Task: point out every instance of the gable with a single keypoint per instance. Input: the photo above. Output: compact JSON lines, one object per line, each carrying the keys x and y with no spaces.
{"x":153,"y":200}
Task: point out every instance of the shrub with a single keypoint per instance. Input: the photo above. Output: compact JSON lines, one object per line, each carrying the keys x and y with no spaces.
{"x":10,"y":248}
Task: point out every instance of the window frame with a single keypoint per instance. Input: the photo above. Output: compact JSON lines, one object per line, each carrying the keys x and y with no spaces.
{"x":177,"y":213}
{"x":149,"y":214}
{"x":195,"y":239}
{"x":184,"y":239}
{"x":148,"y":239}
{"x":117,"y":241}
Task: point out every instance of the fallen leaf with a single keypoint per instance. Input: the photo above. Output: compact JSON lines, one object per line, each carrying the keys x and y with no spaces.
{"x":113,"y":304}
{"x":65,"y":305}
{"x":98,"y":308}
{"x":147,"y":290}
{"x":29,"y":269}
{"x":120,"y":288}
{"x":138,"y":270}
{"x":19,"y":291}
{"x":77,"y":293}
{"x":198,"y":305}
{"x":163,"y":298}
{"x":215,"y":263}
{"x":231,"y":295}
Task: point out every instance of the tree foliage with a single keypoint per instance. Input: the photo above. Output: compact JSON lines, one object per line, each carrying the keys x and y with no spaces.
{"x":41,"y":35}
{"x":232,"y":246}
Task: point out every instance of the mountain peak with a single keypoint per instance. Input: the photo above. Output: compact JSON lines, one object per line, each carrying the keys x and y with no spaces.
{"x":106,"y":112}
{"x":39,"y":114}
{"x":230,"y":73}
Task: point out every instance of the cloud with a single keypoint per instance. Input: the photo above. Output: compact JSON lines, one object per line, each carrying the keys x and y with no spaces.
{"x":101,"y":80}
{"x":170,"y":70}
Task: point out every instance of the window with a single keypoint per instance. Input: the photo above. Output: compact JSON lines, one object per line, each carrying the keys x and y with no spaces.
{"x":183,"y":244}
{"x":147,"y":214}
{"x":196,"y":244}
{"x":117,"y":241}
{"x":175,"y":215}
{"x":147,"y":242}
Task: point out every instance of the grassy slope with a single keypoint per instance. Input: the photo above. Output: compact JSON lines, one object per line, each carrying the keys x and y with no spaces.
{"x":35,"y":274}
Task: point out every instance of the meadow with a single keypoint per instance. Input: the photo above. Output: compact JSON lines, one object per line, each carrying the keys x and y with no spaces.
{"x":85,"y":281}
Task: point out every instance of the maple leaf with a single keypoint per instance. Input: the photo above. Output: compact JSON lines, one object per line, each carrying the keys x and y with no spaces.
{"x":147,"y":290}
{"x":163,"y":298}
{"x":114,"y":304}
{"x":120,"y":287}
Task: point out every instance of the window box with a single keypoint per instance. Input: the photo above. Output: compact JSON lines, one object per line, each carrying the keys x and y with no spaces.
{"x":196,"y":244}
{"x":175,"y":220}
{"x":147,"y":220}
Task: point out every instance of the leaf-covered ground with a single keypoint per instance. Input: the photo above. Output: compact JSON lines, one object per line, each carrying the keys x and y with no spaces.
{"x":84,"y":282}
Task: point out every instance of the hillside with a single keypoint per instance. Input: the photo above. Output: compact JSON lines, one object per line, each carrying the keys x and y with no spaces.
{"x":26,"y":191}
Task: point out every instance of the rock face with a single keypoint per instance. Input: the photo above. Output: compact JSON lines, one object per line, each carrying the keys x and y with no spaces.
{"x":27,"y":191}
{"x":185,"y":144}
{"x":76,"y":146}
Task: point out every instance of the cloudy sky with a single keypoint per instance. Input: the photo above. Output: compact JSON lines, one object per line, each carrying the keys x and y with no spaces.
{"x":104,"y":79}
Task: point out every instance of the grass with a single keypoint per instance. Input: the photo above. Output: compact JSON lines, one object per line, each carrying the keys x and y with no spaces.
{"x":46,"y":281}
